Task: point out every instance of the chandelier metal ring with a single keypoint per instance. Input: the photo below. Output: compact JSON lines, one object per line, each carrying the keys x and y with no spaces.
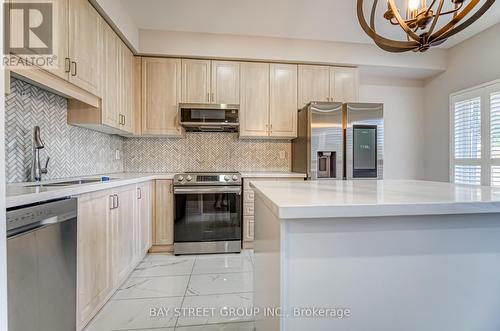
{"x":421,"y":22}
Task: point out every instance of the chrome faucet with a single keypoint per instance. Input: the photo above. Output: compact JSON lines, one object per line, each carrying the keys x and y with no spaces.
{"x":36,"y":169}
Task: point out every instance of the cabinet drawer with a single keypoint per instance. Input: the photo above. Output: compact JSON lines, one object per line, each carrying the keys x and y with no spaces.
{"x":248,"y":209}
{"x":248,"y":196}
{"x":248,"y":230}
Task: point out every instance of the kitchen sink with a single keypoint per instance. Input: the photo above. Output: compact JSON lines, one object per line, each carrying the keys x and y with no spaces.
{"x":67,"y":183}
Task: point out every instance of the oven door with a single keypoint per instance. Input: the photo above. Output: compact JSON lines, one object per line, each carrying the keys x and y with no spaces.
{"x":207,"y":214}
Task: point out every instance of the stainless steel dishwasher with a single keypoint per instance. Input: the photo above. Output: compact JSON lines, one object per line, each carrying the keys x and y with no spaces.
{"x":41,"y":265}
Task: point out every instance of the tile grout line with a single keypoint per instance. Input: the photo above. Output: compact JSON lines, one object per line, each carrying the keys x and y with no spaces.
{"x":185,"y":292}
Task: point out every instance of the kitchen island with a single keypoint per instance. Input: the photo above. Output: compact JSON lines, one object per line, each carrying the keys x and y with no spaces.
{"x":376,"y":255}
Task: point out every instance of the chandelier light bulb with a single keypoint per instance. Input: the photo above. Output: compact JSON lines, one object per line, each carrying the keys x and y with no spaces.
{"x":413,"y":4}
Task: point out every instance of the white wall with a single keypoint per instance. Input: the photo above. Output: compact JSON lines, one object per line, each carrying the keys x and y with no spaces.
{"x":470,"y":63}
{"x":190,"y":44}
{"x":114,"y":11}
{"x":403,"y":125}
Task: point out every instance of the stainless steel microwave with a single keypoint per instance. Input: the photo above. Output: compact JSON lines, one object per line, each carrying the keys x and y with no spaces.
{"x":209,"y":117}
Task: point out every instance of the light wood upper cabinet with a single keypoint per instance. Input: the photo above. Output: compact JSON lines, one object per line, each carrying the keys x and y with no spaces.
{"x":94,"y":281}
{"x":85,"y":45}
{"x":283,"y":101}
{"x":111,"y":100}
{"x":313,"y":84}
{"x":126,"y":89}
{"x":164,"y":216}
{"x":324,"y":83}
{"x":225,"y":82}
{"x":61,"y":49}
{"x":254,"y":100}
{"x":344,"y":84}
{"x":161,"y":94}
{"x":122,"y":233}
{"x":196,"y":81}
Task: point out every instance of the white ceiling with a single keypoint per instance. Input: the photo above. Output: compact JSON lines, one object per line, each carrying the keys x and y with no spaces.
{"x":330,"y":20}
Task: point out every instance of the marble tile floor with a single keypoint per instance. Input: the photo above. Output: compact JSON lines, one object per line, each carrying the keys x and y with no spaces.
{"x":183,"y":293}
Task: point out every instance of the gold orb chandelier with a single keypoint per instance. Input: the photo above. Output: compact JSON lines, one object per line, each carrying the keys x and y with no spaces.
{"x":421,"y":22}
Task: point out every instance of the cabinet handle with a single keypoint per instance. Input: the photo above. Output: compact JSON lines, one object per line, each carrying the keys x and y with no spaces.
{"x":67,"y":65}
{"x":208,"y":97}
{"x":112,"y":202}
{"x":170,"y":188}
{"x":124,"y":119}
{"x":213,"y":97}
{"x":73,"y":71}
{"x":117,"y":201}
{"x":139,"y":193}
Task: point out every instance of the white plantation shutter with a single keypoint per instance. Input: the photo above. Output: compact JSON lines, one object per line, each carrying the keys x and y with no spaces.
{"x":468,"y":129}
{"x":495,"y":176}
{"x":475,"y":136}
{"x":495,"y":124}
{"x":468,"y":174}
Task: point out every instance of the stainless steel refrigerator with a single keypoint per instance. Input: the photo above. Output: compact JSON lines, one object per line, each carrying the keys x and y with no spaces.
{"x":339,"y":141}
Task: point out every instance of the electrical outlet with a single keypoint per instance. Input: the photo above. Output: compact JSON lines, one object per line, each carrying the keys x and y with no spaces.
{"x":282,"y":155}
{"x":117,"y":154}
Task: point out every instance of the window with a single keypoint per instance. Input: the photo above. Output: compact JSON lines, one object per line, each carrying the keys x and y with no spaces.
{"x":475,"y":136}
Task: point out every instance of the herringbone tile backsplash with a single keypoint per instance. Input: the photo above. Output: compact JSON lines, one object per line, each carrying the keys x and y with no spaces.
{"x":73,"y":151}
{"x":78,"y":152}
{"x":205,"y":152}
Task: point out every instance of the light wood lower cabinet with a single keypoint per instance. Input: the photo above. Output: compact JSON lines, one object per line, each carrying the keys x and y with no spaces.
{"x":145,"y":196}
{"x":114,"y":234}
{"x":122,"y":233}
{"x":163,"y":225}
{"x":249,"y":206}
{"x":94,"y":282}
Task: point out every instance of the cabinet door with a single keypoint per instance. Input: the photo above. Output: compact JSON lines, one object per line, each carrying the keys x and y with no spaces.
{"x":61,"y":38}
{"x":196,"y":81}
{"x":344,"y":84}
{"x":85,"y":45}
{"x":111,"y":79}
{"x":60,"y":65}
{"x":94,"y":281}
{"x":314,"y":84}
{"x":225,"y":82}
{"x":283,"y":100}
{"x":122,"y":238}
{"x":161,"y":94}
{"x":127,"y":66}
{"x":164,"y":213}
{"x":254,"y":96}
{"x":144,"y":212}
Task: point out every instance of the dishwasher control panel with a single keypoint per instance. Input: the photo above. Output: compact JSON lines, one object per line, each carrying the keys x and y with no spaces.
{"x":23,"y":217}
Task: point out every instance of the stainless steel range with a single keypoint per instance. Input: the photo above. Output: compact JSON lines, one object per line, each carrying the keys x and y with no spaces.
{"x":207,"y":213}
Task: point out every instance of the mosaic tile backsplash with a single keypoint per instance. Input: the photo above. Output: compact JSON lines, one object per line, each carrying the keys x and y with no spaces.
{"x":73,"y":151}
{"x":76,"y":151}
{"x":205,"y":152}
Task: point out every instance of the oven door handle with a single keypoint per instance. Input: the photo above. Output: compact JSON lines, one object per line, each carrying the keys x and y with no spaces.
{"x":201,"y":190}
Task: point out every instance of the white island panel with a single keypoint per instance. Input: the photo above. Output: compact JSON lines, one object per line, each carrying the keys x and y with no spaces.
{"x":404,"y":272}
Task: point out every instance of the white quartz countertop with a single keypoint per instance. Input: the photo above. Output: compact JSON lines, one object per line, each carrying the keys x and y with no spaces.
{"x":271,"y":174}
{"x":25,"y":193}
{"x":365,"y":198}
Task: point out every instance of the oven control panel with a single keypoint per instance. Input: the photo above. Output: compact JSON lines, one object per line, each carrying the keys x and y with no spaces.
{"x":232,"y":178}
